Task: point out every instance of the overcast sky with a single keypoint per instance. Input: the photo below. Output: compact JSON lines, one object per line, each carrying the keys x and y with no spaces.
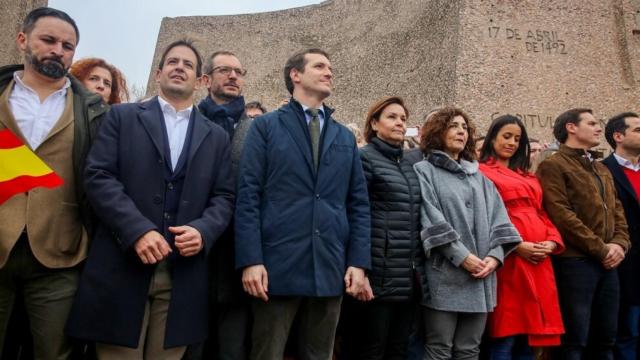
{"x":124,"y":32}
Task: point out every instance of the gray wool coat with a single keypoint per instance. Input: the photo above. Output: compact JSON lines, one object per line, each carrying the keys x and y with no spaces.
{"x":462,"y":213}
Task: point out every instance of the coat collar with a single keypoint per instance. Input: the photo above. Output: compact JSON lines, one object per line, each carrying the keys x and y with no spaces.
{"x":152,"y":119}
{"x":392,"y":152}
{"x":300,"y":133}
{"x":442,"y":160}
{"x":618,"y":175}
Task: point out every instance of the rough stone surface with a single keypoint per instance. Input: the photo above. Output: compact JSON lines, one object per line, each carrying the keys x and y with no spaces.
{"x":532,"y":58}
{"x":13,"y":12}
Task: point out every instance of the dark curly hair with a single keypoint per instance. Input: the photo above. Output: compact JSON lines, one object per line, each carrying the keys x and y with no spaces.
{"x":434,"y":131}
{"x":82,"y":68}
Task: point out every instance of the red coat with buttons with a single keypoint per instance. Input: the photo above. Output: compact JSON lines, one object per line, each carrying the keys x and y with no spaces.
{"x":527,"y":293}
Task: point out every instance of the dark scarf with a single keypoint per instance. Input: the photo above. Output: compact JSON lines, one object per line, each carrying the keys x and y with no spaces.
{"x":226,"y":115}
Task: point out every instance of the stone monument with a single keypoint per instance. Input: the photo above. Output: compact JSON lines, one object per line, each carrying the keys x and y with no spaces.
{"x":530,"y":58}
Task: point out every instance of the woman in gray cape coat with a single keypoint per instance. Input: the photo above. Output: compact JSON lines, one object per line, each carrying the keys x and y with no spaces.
{"x":466,"y":234}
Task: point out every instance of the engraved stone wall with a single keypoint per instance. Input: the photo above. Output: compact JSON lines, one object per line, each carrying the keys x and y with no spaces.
{"x":531,"y":58}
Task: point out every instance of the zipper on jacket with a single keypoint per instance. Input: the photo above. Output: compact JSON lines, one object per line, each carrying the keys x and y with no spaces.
{"x":413,"y":245}
{"x":604,"y":202}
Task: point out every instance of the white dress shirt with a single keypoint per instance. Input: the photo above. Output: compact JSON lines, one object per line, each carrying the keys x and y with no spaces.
{"x":626,"y":163}
{"x":34,"y":118}
{"x":176,"y":123}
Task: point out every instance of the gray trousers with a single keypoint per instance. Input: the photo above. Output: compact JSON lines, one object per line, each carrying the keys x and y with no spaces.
{"x":318,"y":318}
{"x":48,"y":295}
{"x":452,"y":335}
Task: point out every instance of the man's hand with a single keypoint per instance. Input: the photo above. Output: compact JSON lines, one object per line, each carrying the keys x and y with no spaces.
{"x":255,"y":281}
{"x":354,"y":280}
{"x":367,"y":293}
{"x":188,"y":240}
{"x":473,"y":264}
{"x":152,"y":247}
{"x":614,"y":257}
{"x":491,"y":264}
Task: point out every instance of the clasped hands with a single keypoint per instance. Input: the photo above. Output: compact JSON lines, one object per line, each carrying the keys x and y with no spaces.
{"x":536,"y":252}
{"x":153,"y":248}
{"x":480,"y":268}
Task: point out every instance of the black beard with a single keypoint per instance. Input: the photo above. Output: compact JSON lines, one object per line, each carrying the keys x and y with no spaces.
{"x":51,"y":67}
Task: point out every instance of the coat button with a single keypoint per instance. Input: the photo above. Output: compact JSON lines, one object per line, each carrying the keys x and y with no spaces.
{"x":317,"y":196}
{"x":170,"y":186}
{"x":317,"y":232}
{"x":157,"y":199}
{"x":167,"y":216}
{"x":160,"y":161}
{"x":468,"y":204}
{"x":461,"y":176}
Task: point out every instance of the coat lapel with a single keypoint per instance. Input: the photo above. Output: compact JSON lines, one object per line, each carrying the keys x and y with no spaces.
{"x":152,"y":120}
{"x":198,"y":134}
{"x":330,"y":133}
{"x":299,"y":134}
{"x":619,"y":176}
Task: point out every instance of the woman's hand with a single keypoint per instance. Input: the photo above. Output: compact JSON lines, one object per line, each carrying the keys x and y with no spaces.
{"x":491,"y":264}
{"x":367,"y":293}
{"x":473,"y":264}
{"x":534,"y":252}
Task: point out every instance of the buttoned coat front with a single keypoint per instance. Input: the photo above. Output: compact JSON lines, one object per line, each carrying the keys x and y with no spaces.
{"x":126,"y":186}
{"x":462,"y":213}
{"x":306,"y":226}
{"x":527,"y":293}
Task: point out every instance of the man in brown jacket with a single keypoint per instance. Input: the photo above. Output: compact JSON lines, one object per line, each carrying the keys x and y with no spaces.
{"x":43,"y":235}
{"x":580,"y":198}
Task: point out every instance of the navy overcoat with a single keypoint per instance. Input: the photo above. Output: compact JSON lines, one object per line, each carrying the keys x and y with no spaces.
{"x":125,"y":185}
{"x":305,"y":226}
{"x":630,"y":266}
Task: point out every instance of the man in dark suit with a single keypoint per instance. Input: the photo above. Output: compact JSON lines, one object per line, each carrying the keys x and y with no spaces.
{"x":302,"y":219}
{"x":159,"y":178}
{"x":623,"y":134}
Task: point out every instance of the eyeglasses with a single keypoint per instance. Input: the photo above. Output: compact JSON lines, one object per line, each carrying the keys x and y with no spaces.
{"x":226,"y":70}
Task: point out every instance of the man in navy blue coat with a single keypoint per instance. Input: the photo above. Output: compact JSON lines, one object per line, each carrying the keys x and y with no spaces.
{"x":159,"y":178}
{"x":302,"y":215}
{"x":623,"y":134}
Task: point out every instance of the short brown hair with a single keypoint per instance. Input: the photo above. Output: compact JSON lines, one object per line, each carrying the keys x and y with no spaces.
{"x":376,"y":110}
{"x":570,"y":116}
{"x":298,"y":62}
{"x":434,"y":130}
{"x":208,"y":65}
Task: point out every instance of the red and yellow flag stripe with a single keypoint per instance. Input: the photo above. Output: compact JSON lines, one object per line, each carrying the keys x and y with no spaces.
{"x":20,"y":169}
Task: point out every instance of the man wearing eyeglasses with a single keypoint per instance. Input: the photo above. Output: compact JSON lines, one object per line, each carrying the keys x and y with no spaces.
{"x":224,"y":77}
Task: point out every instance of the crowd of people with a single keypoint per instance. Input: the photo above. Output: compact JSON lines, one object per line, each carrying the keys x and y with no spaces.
{"x":223,"y":231}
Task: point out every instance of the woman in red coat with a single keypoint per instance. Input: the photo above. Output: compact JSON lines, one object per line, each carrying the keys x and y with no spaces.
{"x":528,"y":313}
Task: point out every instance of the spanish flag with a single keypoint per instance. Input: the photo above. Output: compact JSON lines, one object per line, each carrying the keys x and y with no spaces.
{"x":20,"y":169}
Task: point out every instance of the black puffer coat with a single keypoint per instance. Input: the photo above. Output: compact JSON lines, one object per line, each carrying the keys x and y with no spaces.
{"x":394,"y":196}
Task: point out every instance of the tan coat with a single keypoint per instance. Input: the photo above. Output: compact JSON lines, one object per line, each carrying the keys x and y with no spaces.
{"x":580,"y":199}
{"x":50,"y":216}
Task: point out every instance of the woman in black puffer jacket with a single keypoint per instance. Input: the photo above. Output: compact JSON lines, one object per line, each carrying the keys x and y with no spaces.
{"x":379,"y":324}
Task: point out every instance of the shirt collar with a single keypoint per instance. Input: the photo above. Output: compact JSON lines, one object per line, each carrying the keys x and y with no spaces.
{"x":17,"y":77}
{"x":166,"y":107}
{"x":320,"y":109}
{"x":626,"y":163}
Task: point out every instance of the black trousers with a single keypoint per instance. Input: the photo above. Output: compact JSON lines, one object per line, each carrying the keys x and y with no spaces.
{"x":376,"y":330}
